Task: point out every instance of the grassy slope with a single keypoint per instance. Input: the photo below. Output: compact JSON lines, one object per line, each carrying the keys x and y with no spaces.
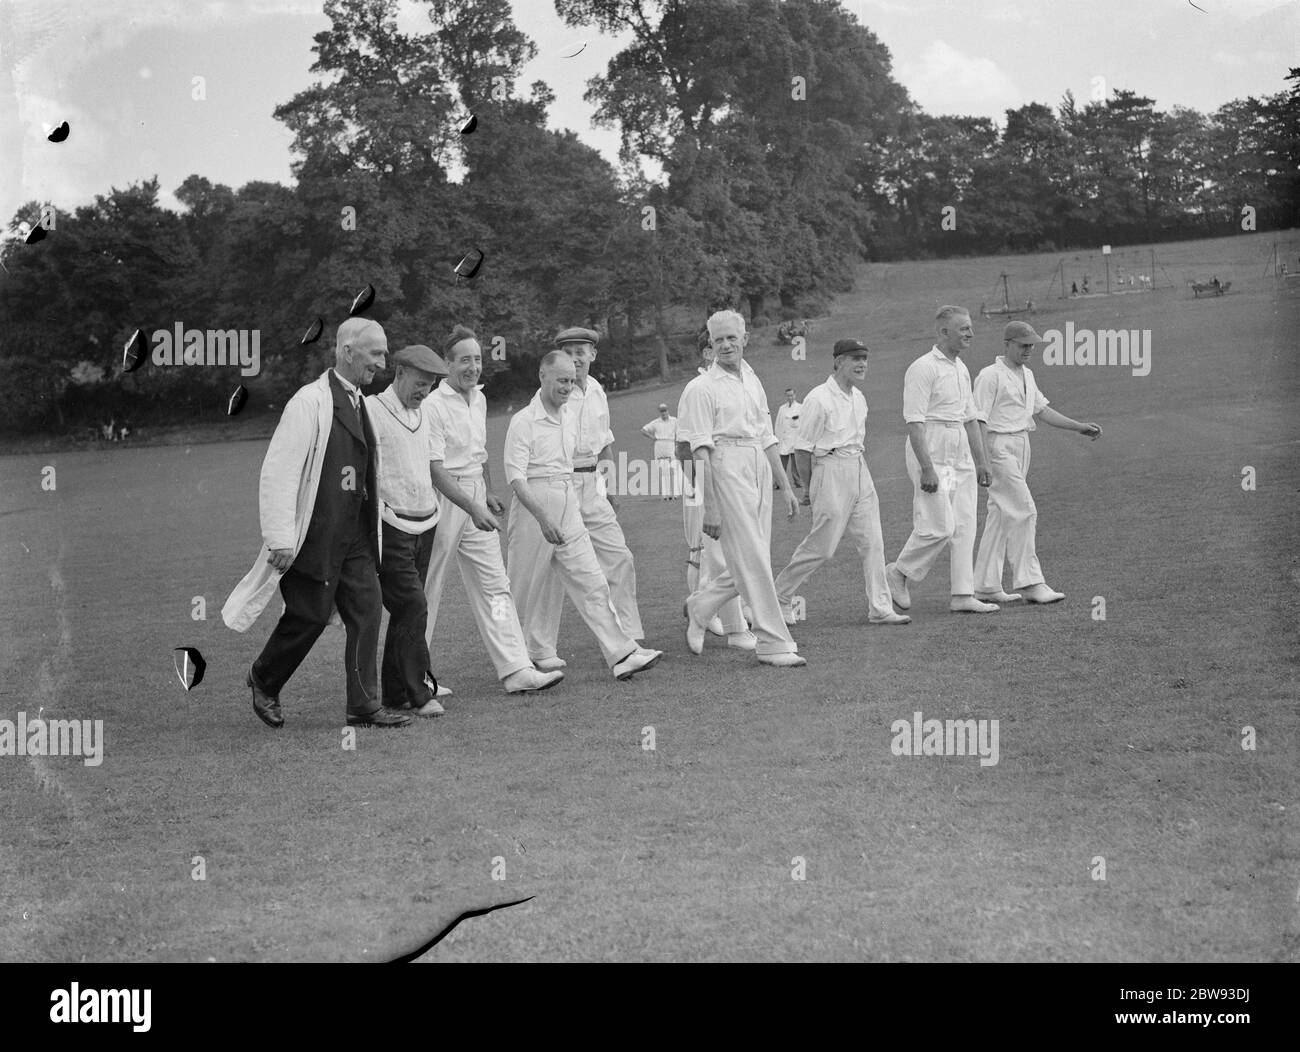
{"x":1117,"y":739}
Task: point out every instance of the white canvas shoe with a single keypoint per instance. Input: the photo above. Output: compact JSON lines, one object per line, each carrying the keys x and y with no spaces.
{"x":898,"y":587}
{"x":968,"y":604}
{"x":782,"y":660}
{"x":637,"y":661}
{"x":530,"y":679}
{"x":743,"y":641}
{"x":1040,"y":593}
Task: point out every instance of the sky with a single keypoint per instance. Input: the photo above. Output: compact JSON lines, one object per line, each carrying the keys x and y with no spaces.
{"x":121,"y":73}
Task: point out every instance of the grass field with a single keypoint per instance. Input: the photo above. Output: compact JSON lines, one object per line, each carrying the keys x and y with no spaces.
{"x":1119,"y":739}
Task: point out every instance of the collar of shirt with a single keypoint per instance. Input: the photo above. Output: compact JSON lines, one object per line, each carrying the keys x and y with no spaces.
{"x":943,"y":357}
{"x":410,"y":417}
{"x":354,"y":392}
{"x":539,"y":410}
{"x":846,"y":411}
{"x":445,"y":390}
{"x":716,"y":370}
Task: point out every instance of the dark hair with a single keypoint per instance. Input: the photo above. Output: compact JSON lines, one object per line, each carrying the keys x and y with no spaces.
{"x":458,"y":333}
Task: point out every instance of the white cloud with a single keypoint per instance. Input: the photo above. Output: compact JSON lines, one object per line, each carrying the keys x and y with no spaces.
{"x":944,"y":80}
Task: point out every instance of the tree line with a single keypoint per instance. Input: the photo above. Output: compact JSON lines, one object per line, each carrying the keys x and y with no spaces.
{"x":785,"y":154}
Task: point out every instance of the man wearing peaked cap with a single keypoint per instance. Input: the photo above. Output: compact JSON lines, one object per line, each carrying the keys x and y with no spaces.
{"x":663,"y":429}
{"x":409,"y":510}
{"x":830,"y":450}
{"x":576,"y":334}
{"x":595,"y":445}
{"x":1007,"y":402}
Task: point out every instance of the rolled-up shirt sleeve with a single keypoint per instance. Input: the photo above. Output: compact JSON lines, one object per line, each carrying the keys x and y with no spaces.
{"x":695,"y":417}
{"x":1040,"y":401}
{"x":437,"y":433}
{"x":983,"y":391}
{"x":768,"y":437}
{"x":811,"y":422}
{"x":916,"y":392}
{"x":518,"y":441}
{"x":968,"y":411}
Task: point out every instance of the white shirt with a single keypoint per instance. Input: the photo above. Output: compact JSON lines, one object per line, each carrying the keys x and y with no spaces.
{"x":937,"y":388}
{"x":725,"y":405}
{"x":663,"y":432}
{"x":537,"y":444}
{"x":1006,"y":399}
{"x":591,"y":419}
{"x":404,"y":453}
{"x":832,"y":420}
{"x":458,"y":429}
{"x":682,"y":434}
{"x":787,"y":425}
{"x":354,"y":392}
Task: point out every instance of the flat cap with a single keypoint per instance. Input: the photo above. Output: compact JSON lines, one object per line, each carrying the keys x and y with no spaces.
{"x":418,"y":356}
{"x":577,"y":335}
{"x":1021,"y":332}
{"x":849,"y":347}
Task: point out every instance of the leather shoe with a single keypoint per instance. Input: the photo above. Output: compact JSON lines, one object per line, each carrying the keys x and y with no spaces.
{"x":267,"y":706}
{"x":997,"y":597}
{"x":890,"y":618}
{"x":898,"y":587}
{"x":1040,"y":593}
{"x":381,"y":717}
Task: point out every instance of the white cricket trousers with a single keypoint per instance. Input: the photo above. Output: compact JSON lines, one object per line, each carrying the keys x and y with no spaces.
{"x":611,"y":552}
{"x":1012,"y":518}
{"x":742,"y":483}
{"x":946,"y":518}
{"x":483,"y":573}
{"x":533,"y":563}
{"x":843,"y":498}
{"x":704,"y":561}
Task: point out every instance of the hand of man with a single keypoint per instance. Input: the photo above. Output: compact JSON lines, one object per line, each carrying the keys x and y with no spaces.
{"x":929,"y":479}
{"x":1093,"y":431}
{"x":280,"y":558}
{"x":712,"y":524}
{"x":495,"y":506}
{"x":551,"y":532}
{"x":983,"y":476}
{"x":791,"y":503}
{"x":483,"y":519}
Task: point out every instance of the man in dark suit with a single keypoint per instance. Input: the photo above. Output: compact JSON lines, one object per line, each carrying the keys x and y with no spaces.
{"x":319,"y":504}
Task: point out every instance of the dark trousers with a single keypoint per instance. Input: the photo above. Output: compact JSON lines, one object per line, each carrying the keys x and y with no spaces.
{"x":307,"y":607}
{"x":406,"y":654}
